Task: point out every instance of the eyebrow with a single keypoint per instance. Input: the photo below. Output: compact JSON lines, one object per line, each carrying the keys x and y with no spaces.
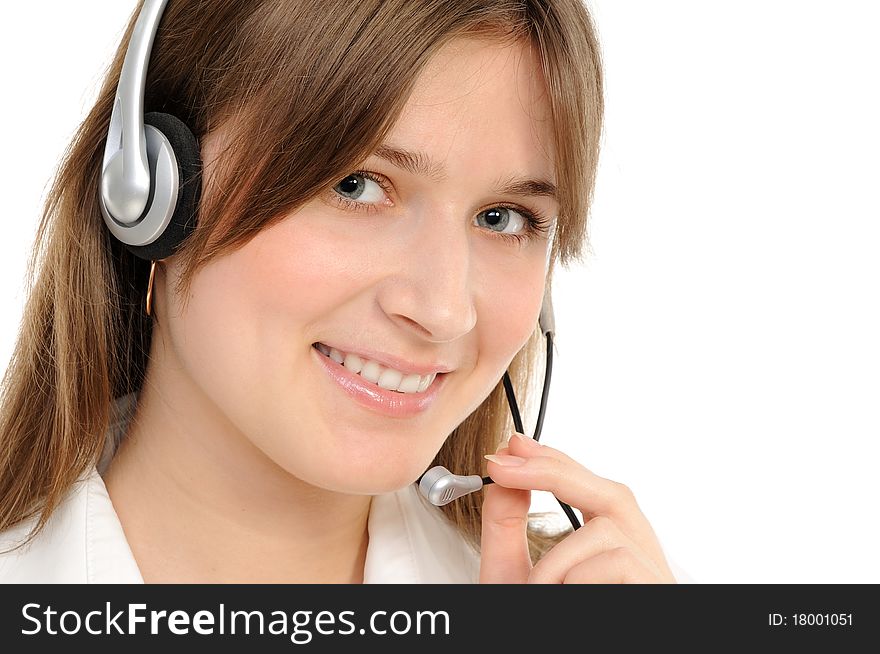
{"x":417,"y":162}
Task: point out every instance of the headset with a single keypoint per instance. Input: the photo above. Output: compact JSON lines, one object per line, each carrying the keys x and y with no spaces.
{"x":149,"y":196}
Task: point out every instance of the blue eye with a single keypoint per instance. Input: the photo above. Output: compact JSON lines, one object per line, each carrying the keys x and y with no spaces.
{"x":533,"y":224}
{"x":356,"y":185}
{"x":502,"y":217}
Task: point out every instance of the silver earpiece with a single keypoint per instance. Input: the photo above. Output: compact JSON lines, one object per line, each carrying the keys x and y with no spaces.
{"x":439,"y":486}
{"x":140,"y":167}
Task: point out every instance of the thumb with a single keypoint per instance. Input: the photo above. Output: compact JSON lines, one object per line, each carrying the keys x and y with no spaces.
{"x":504,"y":548}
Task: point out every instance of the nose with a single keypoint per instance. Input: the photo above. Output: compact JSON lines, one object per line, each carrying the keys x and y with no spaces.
{"x":431,"y":292}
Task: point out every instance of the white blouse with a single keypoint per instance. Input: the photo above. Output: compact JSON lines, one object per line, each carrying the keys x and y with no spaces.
{"x":410,"y":540}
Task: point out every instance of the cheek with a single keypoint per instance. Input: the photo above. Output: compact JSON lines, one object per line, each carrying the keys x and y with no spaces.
{"x":249,"y":312}
{"x":508,"y":323}
{"x":510,"y":305}
{"x":301,"y":268}
{"x":228,"y":333}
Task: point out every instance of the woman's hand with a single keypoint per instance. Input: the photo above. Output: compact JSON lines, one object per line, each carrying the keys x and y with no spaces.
{"x":615,"y":545}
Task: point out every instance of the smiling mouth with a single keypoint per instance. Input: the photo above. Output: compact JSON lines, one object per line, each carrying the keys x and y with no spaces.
{"x":378,"y":375}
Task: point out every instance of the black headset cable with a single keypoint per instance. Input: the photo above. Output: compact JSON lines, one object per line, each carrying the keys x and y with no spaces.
{"x":517,"y":420}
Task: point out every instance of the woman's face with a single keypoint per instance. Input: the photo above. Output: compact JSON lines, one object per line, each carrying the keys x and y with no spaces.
{"x":420,"y":271}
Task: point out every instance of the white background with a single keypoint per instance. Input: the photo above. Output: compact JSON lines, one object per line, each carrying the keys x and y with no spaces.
{"x":718,"y":352}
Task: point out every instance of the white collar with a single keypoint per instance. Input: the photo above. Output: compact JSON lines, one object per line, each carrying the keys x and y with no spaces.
{"x":410,"y":540}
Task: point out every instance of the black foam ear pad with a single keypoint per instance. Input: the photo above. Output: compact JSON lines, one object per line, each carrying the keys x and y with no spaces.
{"x":189,"y":168}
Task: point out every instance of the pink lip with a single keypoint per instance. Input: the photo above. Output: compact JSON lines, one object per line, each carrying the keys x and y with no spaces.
{"x":371,"y":396}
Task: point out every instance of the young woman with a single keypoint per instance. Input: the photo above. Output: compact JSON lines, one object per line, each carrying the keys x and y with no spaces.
{"x":386,"y":186}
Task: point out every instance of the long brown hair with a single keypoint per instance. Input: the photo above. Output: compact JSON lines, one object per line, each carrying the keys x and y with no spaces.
{"x":289,"y":74}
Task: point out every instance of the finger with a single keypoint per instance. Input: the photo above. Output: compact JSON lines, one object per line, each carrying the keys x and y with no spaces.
{"x":504,"y":550}
{"x":598,"y":535}
{"x":546,"y":468}
{"x":524,"y":446}
{"x":615,"y":566}
{"x":555,"y":472}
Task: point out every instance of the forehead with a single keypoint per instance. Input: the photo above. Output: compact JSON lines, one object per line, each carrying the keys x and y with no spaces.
{"x":481,"y":105}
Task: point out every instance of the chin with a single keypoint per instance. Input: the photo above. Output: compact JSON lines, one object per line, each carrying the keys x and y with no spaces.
{"x":371,"y":482}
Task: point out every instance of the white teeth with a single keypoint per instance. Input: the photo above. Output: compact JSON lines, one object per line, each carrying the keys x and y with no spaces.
{"x":336,"y":355}
{"x":353,"y":362}
{"x":410,"y":384}
{"x":390,"y":379}
{"x":371,"y":371}
{"x":387,"y":378}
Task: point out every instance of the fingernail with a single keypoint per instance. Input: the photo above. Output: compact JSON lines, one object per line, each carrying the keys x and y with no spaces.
{"x":505,"y":459}
{"x":522,"y":438}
